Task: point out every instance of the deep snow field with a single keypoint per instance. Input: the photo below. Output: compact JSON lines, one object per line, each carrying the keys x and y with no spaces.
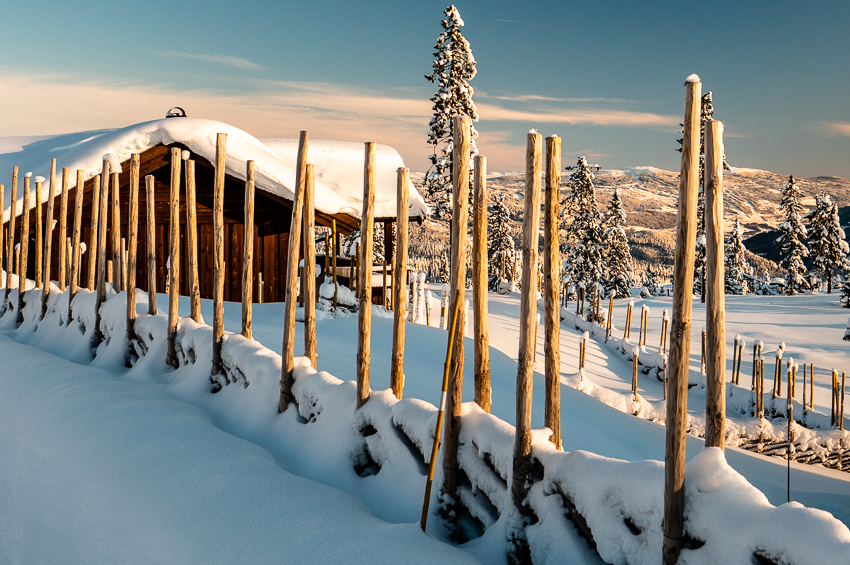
{"x":104,"y":464}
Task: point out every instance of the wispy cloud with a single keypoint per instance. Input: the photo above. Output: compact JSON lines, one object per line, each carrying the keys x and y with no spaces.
{"x":538,"y":98}
{"x":512,"y":22}
{"x":236,"y":62}
{"x":594,"y":116}
{"x":837,"y":128}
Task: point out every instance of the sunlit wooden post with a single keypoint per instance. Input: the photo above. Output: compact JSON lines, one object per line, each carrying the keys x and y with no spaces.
{"x":287,"y":379}
{"x":481,"y":340}
{"x":63,"y":228}
{"x":76,"y":259}
{"x":116,"y":230}
{"x":150,"y":240}
{"x":39,"y":232}
{"x":522,"y":462}
{"x":552,"y":313}
{"x":174,"y":257}
{"x":25,"y":232}
{"x":103,"y":219}
{"x":10,"y":253}
{"x":309,"y":291}
{"x":132,"y":252}
{"x":48,"y":239}
{"x":680,"y":343}
{"x":91,"y":272}
{"x":715,"y":395}
{"x":192,"y":285}
{"x":248,"y":253}
{"x":218,"y":252}
{"x":399,"y":286}
{"x":364,"y":317}
{"x":334,"y":251}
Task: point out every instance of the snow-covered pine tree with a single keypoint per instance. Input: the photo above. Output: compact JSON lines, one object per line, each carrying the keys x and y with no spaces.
{"x":500,"y":244}
{"x":736,"y":262}
{"x":585,"y":244}
{"x":619,"y":271}
{"x":453,"y":68}
{"x":792,"y":241}
{"x":826,"y":240}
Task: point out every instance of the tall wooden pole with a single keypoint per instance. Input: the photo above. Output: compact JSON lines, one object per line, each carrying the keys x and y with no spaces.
{"x":192,"y":242}
{"x":25,"y":238}
{"x":248,"y":253}
{"x":76,"y":259}
{"x":480,"y":270}
{"x":551,"y":269}
{"x":218,"y":252}
{"x":364,"y":317}
{"x":150,"y":239}
{"x":10,"y":236}
{"x":39,"y":232}
{"x":335,"y":252}
{"x":10,"y":253}
{"x":399,"y":283}
{"x":461,"y":131}
{"x":288,"y":350}
{"x":116,"y":232}
{"x":174,"y":257}
{"x":103,"y":219}
{"x":309,"y":292}
{"x":527,"y":323}
{"x":680,"y":331}
{"x":48,"y":239}
{"x":715,"y":395}
{"x":132,"y":252}
{"x":63,"y":227}
{"x":92,"y":247}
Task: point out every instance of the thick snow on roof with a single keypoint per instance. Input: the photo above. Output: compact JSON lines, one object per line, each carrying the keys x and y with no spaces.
{"x":338,"y":166}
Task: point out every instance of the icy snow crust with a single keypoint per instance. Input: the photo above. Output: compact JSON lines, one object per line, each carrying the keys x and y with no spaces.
{"x":338,"y":165}
{"x":224,"y":497}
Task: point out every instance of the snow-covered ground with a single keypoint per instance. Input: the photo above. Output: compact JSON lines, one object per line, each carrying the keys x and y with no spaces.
{"x":120,"y":465}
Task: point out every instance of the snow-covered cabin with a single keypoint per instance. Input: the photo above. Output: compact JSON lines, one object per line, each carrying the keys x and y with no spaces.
{"x":338,"y":169}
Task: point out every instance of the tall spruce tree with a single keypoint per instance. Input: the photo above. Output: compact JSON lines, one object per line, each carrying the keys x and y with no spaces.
{"x":792,"y":242}
{"x":736,"y":262}
{"x":500,"y":244}
{"x":453,"y":68}
{"x":826,"y":240}
{"x":585,"y":233}
{"x":619,"y":271}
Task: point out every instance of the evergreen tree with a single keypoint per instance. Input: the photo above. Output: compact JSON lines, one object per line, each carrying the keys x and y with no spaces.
{"x":585,"y":234}
{"x":736,"y":262}
{"x":500,"y":244}
{"x":453,"y":68}
{"x":619,"y":271}
{"x":792,"y":241}
{"x":826,"y":240}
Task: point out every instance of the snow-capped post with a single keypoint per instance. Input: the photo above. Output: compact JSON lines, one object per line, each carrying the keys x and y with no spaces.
{"x":610,"y":322}
{"x":399,"y":283}
{"x":25,"y":230}
{"x":39,"y":232}
{"x":48,"y":239}
{"x":665,"y":322}
{"x":334,"y":252}
{"x":92,"y":247}
{"x":551,"y":278}
{"x":364,"y":317}
{"x":680,"y":344}
{"x":522,"y":462}
{"x":635,"y":354}
{"x":63,"y":228}
{"x":462,"y":145}
{"x":715,"y":307}
{"x":777,"y":374}
{"x":76,"y":259}
{"x":480,"y":268}
{"x":10,"y":253}
{"x":133,"y":229}
{"x":116,"y":228}
{"x":192,"y":283}
{"x":150,"y":240}
{"x":218,"y":255}
{"x":174,"y":257}
{"x":644,"y":322}
{"x":627,"y":330}
{"x":103,"y":219}
{"x":309,"y":239}
{"x":248,"y":252}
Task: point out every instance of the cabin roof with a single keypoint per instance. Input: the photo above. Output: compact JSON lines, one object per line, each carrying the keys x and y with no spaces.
{"x":338,"y":166}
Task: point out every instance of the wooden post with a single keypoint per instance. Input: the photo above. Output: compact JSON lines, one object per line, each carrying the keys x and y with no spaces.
{"x":39,"y":232}
{"x":843,"y":394}
{"x":702,"y":349}
{"x":133,"y":246}
{"x":364,"y":318}
{"x":805,"y":396}
{"x":123,"y":262}
{"x":334,"y":252}
{"x":461,"y":131}
{"x":48,"y":239}
{"x":174,"y":257}
{"x":25,"y":231}
{"x":384,"y":284}
{"x":777,"y":375}
{"x":63,"y":227}
{"x":92,"y":247}
{"x":627,"y":331}
{"x":76,"y":259}
{"x":150,"y":237}
{"x":399,"y":283}
{"x":737,"y":369}
{"x":309,"y":292}
{"x":665,"y":323}
{"x":677,"y":400}
{"x":248,"y":253}
{"x":522,"y":463}
{"x":192,"y":242}
{"x":101,"y":251}
{"x":811,"y":385}
{"x":715,"y":390}
{"x":610,"y":321}
{"x":552,"y":313}
{"x":288,"y":349}
{"x":834,"y":405}
{"x":327,"y":257}
{"x":480,"y":268}
{"x":68,"y":255}
{"x":260,"y":287}
{"x":635,"y":353}
{"x":10,"y":254}
{"x":116,"y":231}
{"x":644,"y":321}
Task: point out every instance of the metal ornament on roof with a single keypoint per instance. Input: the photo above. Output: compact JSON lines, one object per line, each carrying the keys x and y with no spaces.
{"x":176,"y":112}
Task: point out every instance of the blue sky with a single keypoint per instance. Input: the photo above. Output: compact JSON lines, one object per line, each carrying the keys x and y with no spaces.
{"x":606,"y":76}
